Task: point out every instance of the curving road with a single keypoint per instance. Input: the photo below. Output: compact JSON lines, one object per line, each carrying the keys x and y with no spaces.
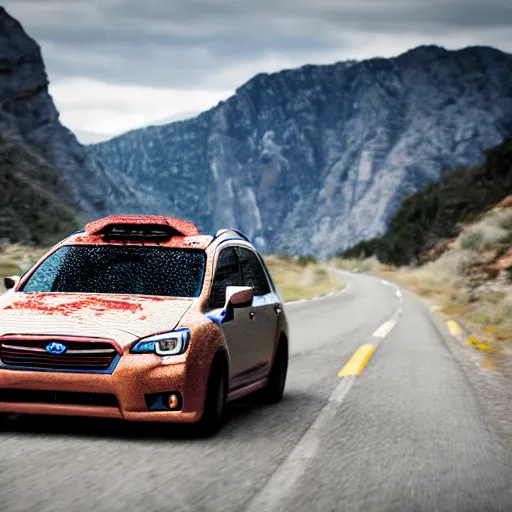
{"x":407,"y":434}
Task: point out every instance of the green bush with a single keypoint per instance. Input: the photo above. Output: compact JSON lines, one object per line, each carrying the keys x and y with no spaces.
{"x":506,"y":221}
{"x":306,"y":260}
{"x":472,"y":241}
{"x":32,"y":209}
{"x":284,"y":257}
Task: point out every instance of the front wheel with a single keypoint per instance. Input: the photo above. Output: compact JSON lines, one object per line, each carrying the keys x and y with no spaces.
{"x":215,"y":403}
{"x":274,"y":389}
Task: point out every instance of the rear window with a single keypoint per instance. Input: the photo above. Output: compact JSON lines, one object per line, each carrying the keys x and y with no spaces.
{"x":120,"y":269}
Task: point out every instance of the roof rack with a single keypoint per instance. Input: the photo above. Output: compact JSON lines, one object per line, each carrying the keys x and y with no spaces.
{"x":236,"y":231}
{"x":147,"y":233}
{"x":230,"y":235}
{"x":78,"y":231}
{"x":116,"y":226}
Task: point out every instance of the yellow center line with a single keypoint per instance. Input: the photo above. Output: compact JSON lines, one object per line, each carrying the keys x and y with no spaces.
{"x":358,"y":361}
{"x":454,"y":327}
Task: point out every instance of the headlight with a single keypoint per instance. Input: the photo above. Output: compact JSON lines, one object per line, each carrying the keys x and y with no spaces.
{"x":167,"y":344}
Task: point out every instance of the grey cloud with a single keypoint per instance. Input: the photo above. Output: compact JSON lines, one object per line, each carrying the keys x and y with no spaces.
{"x":180,"y":43}
{"x":386,"y":13}
{"x":161,"y":63}
{"x":214,"y":17}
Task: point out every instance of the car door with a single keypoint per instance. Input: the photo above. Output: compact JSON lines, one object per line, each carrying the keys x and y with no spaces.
{"x":265,"y":309}
{"x":238,"y":330}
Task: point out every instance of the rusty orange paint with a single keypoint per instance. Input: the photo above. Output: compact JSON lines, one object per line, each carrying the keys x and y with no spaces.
{"x":184,"y":227}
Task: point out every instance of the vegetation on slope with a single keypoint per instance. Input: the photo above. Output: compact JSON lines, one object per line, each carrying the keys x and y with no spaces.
{"x":31,"y":211}
{"x":434,"y":214}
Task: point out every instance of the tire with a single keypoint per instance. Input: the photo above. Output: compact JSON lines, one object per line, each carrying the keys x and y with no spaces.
{"x":274,"y":389}
{"x":215,"y":402}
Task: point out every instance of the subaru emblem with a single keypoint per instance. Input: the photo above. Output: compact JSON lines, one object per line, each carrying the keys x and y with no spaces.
{"x":54,"y":347}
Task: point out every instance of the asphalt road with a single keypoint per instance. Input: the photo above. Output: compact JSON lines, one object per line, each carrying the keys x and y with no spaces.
{"x":407,"y":434}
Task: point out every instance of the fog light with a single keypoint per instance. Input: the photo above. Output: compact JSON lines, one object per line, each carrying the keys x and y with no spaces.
{"x":174,"y":401}
{"x":167,"y":401}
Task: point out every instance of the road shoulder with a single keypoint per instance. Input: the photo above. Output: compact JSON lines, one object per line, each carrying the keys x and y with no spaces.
{"x":492,"y":389}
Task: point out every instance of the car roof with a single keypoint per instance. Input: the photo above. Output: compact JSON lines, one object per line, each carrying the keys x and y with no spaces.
{"x":149,"y":230}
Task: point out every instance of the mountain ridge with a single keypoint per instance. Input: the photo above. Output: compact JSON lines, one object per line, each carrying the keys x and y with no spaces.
{"x":263,"y":74}
{"x":312,"y":160}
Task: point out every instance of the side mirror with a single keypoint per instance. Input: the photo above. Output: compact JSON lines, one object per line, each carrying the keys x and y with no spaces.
{"x":238,"y":297}
{"x":11,"y":281}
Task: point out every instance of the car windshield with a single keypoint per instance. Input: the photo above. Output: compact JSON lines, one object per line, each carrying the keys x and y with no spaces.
{"x":118,"y":269}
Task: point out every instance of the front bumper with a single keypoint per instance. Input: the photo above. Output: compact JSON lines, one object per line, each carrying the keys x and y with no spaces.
{"x":135,"y":376}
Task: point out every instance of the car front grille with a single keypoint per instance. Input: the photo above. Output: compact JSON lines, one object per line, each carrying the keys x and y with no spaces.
{"x":58,"y":397}
{"x":92,"y":356}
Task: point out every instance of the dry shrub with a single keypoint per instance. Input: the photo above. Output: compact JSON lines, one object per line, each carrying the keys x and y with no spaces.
{"x":360,"y":264}
{"x":296,"y":281}
{"x":493,"y":228}
{"x":450,"y":266}
{"x":493,"y":309}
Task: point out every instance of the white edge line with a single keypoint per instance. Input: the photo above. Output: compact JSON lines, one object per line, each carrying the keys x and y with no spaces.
{"x":383,"y":330}
{"x":280,"y":485}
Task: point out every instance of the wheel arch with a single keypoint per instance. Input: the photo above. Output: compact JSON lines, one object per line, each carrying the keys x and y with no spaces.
{"x":282,"y":340}
{"x":221,"y":360}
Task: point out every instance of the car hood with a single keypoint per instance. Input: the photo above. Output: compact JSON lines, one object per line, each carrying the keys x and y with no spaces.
{"x":118,"y":317}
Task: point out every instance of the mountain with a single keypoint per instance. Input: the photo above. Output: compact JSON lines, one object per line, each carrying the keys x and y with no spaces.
{"x":45,"y":174}
{"x":312,"y":160}
{"x":180,"y":116}
{"x":426,"y":222}
{"x":305,"y":161}
{"x":90,"y":137}
{"x":30,"y":208}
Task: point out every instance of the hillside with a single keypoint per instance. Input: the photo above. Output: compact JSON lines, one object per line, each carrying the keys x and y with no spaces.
{"x":30,"y":208}
{"x":45,"y":174}
{"x":312,"y":160}
{"x":423,"y":222}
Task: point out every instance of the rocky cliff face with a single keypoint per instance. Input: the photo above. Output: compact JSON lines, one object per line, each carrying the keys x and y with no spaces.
{"x":314,"y":159}
{"x":43,"y":169}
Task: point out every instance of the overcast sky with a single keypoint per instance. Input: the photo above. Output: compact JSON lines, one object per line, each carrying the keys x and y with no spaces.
{"x":115,"y":65}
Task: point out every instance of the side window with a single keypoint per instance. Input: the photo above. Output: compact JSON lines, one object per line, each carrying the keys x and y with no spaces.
{"x":227,"y":273}
{"x":252,"y":271}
